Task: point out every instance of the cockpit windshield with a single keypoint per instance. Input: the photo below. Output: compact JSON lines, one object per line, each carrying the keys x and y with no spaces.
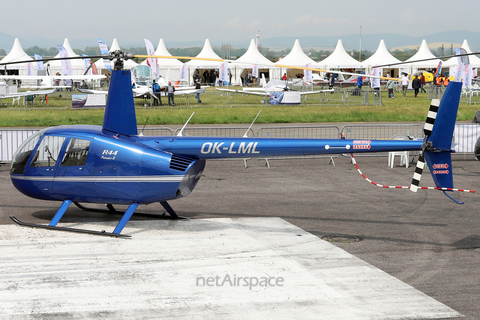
{"x":21,"y":156}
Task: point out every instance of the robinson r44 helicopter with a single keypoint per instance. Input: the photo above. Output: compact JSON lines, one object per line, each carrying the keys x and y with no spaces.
{"x":112,"y":164}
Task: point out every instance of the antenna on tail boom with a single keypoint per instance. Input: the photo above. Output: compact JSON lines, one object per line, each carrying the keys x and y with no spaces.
{"x":180,"y":134}
{"x":246,"y":133}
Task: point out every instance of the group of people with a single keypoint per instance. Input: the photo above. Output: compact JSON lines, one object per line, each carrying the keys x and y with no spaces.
{"x":208,"y":76}
{"x":169,"y":91}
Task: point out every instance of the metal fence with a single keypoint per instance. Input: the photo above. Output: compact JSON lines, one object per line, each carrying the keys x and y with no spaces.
{"x":344,"y":96}
{"x":161,"y":131}
{"x":10,"y":140}
{"x":470,"y":96}
{"x":465,"y":137}
{"x":381,"y":131}
{"x":216,"y":131}
{"x":306,"y":132}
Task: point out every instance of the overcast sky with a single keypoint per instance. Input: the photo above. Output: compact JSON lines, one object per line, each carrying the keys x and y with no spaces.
{"x":232,"y":20}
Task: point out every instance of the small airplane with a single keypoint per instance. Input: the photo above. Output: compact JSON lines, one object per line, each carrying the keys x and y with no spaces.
{"x":142,"y":82}
{"x":26,"y":93}
{"x":277,"y":90}
{"x":113,"y":164}
{"x":48,"y":81}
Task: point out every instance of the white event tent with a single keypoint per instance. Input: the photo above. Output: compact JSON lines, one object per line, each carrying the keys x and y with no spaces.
{"x":381,"y":57}
{"x":296,"y":58}
{"x":340,"y":59}
{"x":422,"y":53}
{"x":453,"y":62}
{"x":207,"y":52}
{"x":250,"y":58}
{"x":17,"y":54}
{"x":78,"y":65}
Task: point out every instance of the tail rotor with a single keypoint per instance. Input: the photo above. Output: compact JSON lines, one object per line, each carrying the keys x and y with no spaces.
{"x":427,"y":130}
{"x":437,"y":146}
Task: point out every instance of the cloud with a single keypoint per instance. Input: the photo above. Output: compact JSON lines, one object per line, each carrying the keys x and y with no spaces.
{"x":234,"y":23}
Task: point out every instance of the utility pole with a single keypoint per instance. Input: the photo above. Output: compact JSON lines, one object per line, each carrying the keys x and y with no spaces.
{"x":360,"y":53}
{"x":258,"y":42}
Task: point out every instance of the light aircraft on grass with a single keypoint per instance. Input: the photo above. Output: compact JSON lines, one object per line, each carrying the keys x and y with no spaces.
{"x":49,"y":81}
{"x":142,"y":82}
{"x":113,"y":164}
{"x":277,"y":90}
{"x":26,"y":93}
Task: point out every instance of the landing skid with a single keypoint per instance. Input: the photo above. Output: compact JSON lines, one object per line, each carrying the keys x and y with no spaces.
{"x":42,"y":226}
{"x":111,"y":209}
{"x":118,"y":229}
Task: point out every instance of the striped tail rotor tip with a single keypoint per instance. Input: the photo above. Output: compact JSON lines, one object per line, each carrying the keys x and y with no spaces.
{"x":417,"y":176}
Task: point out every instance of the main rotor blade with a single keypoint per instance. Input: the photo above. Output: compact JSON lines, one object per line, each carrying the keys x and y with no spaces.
{"x":428,"y":59}
{"x":54,"y":59}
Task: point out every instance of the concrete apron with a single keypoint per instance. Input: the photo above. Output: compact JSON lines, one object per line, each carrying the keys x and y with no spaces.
{"x":229,"y":268}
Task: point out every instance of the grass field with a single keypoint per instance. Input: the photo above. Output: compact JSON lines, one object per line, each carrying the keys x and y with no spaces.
{"x":218,"y":108}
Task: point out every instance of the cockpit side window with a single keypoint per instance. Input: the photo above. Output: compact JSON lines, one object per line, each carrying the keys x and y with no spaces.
{"x":77,"y":153}
{"x":21,"y":156}
{"x":47,"y":152}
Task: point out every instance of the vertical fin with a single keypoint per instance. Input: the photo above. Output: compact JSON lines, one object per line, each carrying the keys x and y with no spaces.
{"x":120,"y":110}
{"x":442,"y":132}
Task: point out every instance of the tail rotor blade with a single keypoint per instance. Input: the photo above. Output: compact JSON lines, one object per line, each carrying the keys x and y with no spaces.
{"x":417,"y":176}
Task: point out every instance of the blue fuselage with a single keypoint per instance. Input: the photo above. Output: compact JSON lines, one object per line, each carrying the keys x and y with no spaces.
{"x":90,"y":164}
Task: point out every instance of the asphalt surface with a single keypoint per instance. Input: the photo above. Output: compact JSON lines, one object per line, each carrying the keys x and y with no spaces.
{"x":423,"y":239}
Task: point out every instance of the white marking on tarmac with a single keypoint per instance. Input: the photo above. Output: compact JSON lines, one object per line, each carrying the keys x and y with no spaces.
{"x":189,"y":269}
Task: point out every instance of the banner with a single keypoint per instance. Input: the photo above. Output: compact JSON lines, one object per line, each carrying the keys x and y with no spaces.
{"x":39,"y":63}
{"x":152,"y":62}
{"x":66,"y":64}
{"x":29,"y":69}
{"x":87,"y":63}
{"x":375,"y":82}
{"x":223,"y":72}
{"x":104,"y":50}
{"x":439,"y":69}
{"x":183,"y":71}
{"x":468,"y":76}
{"x":307,"y":74}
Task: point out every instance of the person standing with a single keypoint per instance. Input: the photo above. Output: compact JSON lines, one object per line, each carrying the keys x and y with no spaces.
{"x":197,"y":94}
{"x":390,"y":87}
{"x":359,"y":83}
{"x":422,"y":83}
{"x":404,"y":85}
{"x":331,"y":82}
{"x":169,"y":91}
{"x":156,"y":92}
{"x":416,"y":84}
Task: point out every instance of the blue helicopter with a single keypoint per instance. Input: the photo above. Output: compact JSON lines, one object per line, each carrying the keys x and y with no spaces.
{"x":112,"y":164}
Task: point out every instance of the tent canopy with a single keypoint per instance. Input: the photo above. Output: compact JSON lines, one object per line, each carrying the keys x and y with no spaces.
{"x":381,"y":57}
{"x":422,"y":53}
{"x":340,"y":59}
{"x":16,"y":54}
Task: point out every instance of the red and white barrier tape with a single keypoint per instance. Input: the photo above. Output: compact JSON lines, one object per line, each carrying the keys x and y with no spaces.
{"x":405,"y":187}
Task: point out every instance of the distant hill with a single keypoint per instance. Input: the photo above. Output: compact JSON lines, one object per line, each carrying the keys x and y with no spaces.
{"x":350,"y":41}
